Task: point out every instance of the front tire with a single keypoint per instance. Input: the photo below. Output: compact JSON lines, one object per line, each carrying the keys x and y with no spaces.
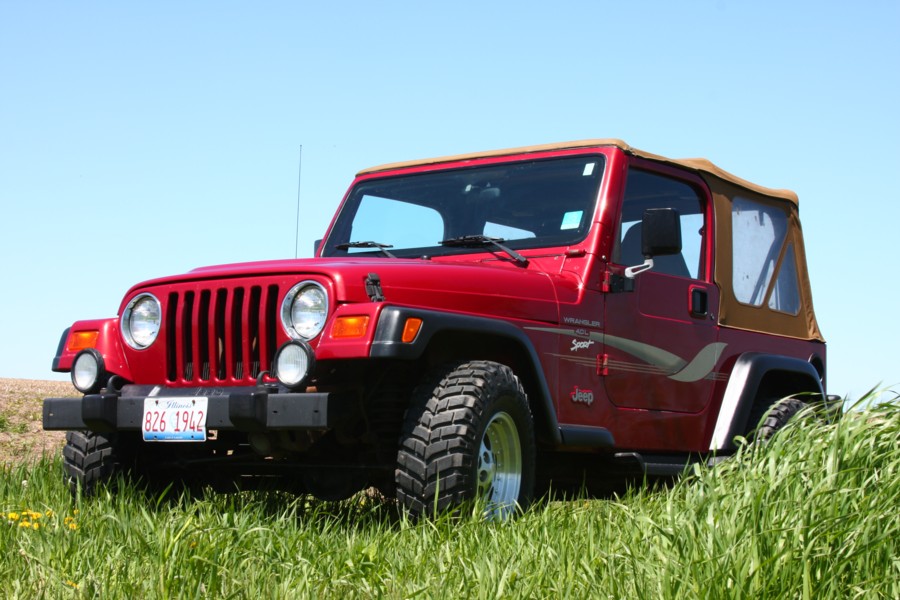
{"x":90,"y":460}
{"x":468,"y":435}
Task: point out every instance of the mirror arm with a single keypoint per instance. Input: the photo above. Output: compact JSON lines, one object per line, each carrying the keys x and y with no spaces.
{"x":632,"y":272}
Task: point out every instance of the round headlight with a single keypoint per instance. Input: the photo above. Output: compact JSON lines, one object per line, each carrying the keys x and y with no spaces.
{"x":140,"y":321}
{"x":293,"y":363}
{"x":87,"y":371}
{"x":304,"y":310}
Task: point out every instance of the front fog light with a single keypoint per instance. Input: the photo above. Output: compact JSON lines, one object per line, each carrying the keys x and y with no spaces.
{"x":294,"y":361}
{"x":88,"y":372}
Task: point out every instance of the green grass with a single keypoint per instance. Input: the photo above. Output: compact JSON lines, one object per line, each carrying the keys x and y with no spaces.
{"x":811,"y":514}
{"x":7,"y":425}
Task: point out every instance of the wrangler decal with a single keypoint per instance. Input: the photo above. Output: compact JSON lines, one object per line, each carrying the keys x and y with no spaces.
{"x":583,"y":322}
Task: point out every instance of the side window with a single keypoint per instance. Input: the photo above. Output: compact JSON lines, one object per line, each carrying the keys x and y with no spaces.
{"x":644,"y":190}
{"x":759,"y":240}
{"x":401,"y":224}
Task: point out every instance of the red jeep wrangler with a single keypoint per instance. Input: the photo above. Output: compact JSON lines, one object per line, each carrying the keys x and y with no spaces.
{"x":470,"y":327}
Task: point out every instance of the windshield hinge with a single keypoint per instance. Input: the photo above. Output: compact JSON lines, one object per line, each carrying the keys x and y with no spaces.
{"x":373,"y":288}
{"x":613,"y":283}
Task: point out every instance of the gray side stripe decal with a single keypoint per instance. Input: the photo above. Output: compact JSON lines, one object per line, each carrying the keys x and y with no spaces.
{"x":674,"y":366}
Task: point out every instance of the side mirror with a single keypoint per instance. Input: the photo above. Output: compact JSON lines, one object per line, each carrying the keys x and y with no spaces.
{"x":316,"y":245}
{"x":660,"y":232}
{"x":660,"y":236}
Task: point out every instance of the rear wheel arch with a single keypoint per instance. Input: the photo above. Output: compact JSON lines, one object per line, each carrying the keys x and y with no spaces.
{"x":762,"y":379}
{"x":781,"y":383}
{"x":818,"y":364}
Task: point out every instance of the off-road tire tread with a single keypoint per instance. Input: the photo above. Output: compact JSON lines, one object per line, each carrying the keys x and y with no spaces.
{"x":89,"y":460}
{"x":435,"y":469}
{"x":777,"y":416}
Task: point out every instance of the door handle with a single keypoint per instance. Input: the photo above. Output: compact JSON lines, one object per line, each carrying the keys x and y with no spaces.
{"x":699,"y":303}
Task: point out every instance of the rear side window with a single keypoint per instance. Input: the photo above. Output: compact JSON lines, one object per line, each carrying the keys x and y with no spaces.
{"x":764,"y":263}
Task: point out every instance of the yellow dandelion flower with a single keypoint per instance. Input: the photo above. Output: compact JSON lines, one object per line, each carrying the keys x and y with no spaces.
{"x":73,"y":526}
{"x":74,"y":511}
{"x":48,"y":513}
{"x":35,"y":525}
{"x":72,"y":584}
{"x":13,"y":516}
{"x":24,"y":524}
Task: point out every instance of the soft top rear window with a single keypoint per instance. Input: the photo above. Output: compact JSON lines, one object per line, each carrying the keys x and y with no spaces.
{"x":763,"y":261}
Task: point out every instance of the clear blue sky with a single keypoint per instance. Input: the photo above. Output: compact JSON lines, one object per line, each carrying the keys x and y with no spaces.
{"x":144,"y":140}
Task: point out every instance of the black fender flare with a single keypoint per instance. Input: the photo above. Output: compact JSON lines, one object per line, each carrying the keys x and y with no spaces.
{"x":387,"y":343}
{"x":743,"y":386}
{"x":60,"y":348}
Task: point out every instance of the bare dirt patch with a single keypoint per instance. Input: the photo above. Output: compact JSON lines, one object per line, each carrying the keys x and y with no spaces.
{"x":21,"y":402}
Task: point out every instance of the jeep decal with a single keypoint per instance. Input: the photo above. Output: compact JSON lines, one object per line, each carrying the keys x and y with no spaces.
{"x":580,"y":396}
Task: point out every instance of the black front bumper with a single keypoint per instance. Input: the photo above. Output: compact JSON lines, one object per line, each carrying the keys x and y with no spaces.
{"x":247,"y":409}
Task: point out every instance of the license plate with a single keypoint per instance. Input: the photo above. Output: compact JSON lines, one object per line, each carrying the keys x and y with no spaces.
{"x":174,"y":419}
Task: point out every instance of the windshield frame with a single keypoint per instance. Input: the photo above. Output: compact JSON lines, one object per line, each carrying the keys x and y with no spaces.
{"x":565,"y":187}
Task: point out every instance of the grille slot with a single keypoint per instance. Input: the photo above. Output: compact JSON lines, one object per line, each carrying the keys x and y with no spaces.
{"x":221,"y":334}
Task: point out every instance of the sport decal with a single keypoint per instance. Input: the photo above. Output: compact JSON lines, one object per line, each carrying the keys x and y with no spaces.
{"x":581,"y":344}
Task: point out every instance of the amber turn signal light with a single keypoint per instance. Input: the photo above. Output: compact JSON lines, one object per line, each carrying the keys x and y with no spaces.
{"x":411,"y":329}
{"x":350,"y":327}
{"x":79,"y":340}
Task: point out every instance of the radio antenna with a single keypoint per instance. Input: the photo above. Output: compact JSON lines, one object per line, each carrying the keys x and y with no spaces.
{"x":297,"y":235}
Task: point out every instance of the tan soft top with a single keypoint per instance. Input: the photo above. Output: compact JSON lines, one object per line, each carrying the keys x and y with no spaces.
{"x":724,"y":188}
{"x":701,"y":165}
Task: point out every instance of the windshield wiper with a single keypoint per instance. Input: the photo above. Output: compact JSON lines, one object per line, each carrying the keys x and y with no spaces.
{"x":474,"y":241}
{"x":381,"y":247}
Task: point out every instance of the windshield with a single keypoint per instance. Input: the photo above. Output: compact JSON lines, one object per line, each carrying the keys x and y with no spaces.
{"x":528,"y":204}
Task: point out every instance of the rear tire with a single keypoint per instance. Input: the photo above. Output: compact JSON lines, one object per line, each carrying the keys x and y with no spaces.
{"x":777,"y":415}
{"x":468,"y":436}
